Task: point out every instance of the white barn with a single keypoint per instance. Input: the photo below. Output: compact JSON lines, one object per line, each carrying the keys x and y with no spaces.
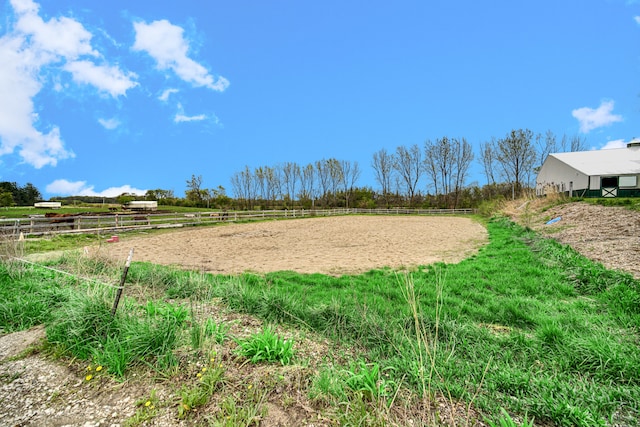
{"x":596,"y":173}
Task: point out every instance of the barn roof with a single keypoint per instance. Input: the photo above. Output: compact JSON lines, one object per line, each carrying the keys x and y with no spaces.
{"x":618,"y":161}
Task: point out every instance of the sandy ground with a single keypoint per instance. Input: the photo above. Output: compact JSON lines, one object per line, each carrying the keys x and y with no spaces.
{"x":333,"y":245}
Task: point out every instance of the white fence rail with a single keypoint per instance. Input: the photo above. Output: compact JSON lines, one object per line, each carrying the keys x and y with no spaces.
{"x":37,"y":225}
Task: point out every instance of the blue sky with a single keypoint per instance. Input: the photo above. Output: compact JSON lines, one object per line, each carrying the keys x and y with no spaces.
{"x":101,"y":98}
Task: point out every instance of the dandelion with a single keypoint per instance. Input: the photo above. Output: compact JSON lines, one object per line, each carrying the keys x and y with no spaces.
{"x":250,"y":386}
{"x":147,"y":403}
{"x":220,"y":365}
{"x":204,"y":369}
{"x":88,"y":377}
{"x":98,"y":368}
{"x":89,"y":368}
{"x":199,"y":375}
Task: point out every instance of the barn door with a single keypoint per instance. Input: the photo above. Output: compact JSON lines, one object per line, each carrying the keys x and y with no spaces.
{"x":609,"y":186}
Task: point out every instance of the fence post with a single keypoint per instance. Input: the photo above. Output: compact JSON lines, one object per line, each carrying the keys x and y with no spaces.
{"x":122,"y":279}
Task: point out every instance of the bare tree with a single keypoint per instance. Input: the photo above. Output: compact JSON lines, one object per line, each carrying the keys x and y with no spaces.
{"x":546,"y":146}
{"x":382,"y":164}
{"x":307,"y":181}
{"x":409,"y":167}
{"x":322,"y":171}
{"x":447,"y":162}
{"x":273,"y":177}
{"x":488,"y":158}
{"x":516,"y":156}
{"x":238,"y":188}
{"x":244,"y":186}
{"x":261,"y":183}
{"x":350,"y":172}
{"x":578,"y":143}
{"x":194,"y":192}
{"x":462,"y":161}
{"x":335,"y":173}
{"x":290,"y":177}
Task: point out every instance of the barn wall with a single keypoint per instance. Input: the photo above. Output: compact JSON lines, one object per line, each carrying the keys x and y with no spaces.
{"x":556,"y":176}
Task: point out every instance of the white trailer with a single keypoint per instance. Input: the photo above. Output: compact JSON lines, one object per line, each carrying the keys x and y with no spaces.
{"x":142,"y":205}
{"x":48,"y":205}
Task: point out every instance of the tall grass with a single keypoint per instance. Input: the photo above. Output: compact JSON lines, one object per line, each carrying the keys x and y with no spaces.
{"x":86,"y":328}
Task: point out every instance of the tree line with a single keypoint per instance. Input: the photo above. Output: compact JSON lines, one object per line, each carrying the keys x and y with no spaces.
{"x":13,"y":194}
{"x":434,"y":174}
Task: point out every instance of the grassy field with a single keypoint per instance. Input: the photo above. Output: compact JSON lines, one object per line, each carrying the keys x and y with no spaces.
{"x":526,"y":327}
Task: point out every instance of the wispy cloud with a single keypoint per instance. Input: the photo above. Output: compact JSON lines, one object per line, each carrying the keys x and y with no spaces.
{"x":165,"y":43}
{"x":109,"y":124}
{"x":591,"y":119}
{"x":637,"y":19}
{"x":166,"y":93}
{"x":32,"y":47}
{"x":179,"y":118}
{"x":63,"y":187}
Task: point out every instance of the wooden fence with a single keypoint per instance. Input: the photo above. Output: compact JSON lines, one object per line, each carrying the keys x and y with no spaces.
{"x":37,"y":225}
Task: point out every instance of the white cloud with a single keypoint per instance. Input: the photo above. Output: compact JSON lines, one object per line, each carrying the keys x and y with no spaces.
{"x":31,"y":47}
{"x":18,"y":85}
{"x":166,"y":44}
{"x":179,"y":118}
{"x":617,"y":143}
{"x":105,"y":78}
{"x":637,"y":19}
{"x":109,"y":124}
{"x":591,"y":119}
{"x":62,"y":187}
{"x":60,"y":37}
{"x":165,"y":95}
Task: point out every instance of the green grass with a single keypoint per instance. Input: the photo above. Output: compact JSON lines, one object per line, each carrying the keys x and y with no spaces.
{"x":526,"y":324}
{"x":29,"y":297}
{"x":266,"y":346}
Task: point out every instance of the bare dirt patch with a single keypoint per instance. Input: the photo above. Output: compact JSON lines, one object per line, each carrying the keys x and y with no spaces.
{"x":608,"y":235}
{"x":334,"y":245}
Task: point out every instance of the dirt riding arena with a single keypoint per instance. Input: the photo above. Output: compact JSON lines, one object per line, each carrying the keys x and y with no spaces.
{"x":332,"y":245}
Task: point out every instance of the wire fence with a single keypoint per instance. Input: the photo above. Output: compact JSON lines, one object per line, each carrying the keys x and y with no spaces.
{"x":60,"y":223}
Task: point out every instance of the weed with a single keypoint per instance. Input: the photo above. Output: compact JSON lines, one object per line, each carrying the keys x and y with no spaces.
{"x":266,"y":346}
{"x":245,"y":411}
{"x":366,"y":378}
{"x":200,"y":331}
{"x":147,"y":409}
{"x":209,"y":379}
{"x":505,"y":420}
